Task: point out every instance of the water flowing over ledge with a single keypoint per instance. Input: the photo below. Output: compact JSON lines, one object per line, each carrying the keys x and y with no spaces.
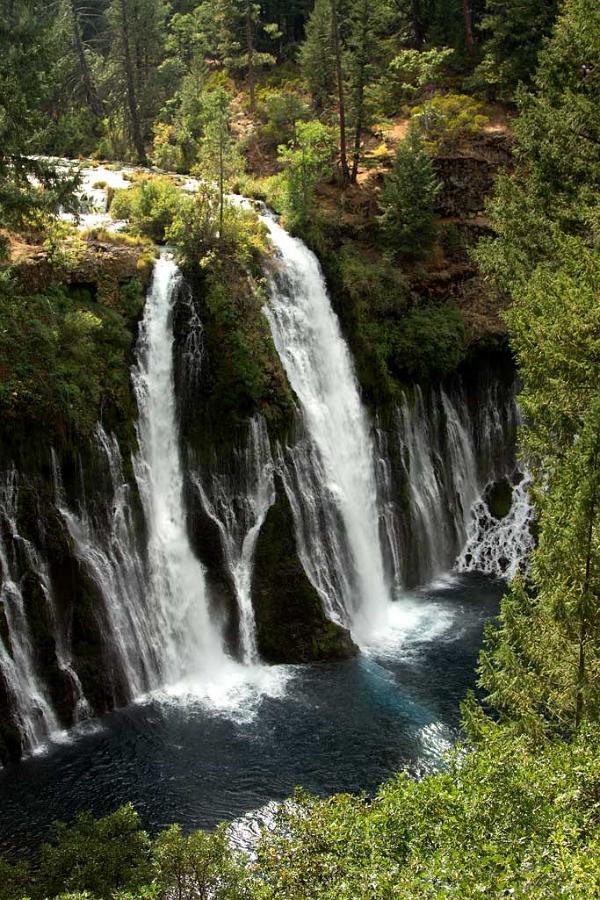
{"x":378,"y":507}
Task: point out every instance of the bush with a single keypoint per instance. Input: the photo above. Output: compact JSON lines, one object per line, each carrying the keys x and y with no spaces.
{"x":99,"y":856}
{"x":446,"y":120}
{"x":150,"y":206}
{"x":282,"y":110}
{"x":306,"y":161}
{"x":428,"y":343}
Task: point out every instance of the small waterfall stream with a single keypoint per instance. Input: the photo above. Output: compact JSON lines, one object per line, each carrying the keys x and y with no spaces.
{"x":32,"y":707}
{"x":238,"y":502}
{"x":316,"y":358}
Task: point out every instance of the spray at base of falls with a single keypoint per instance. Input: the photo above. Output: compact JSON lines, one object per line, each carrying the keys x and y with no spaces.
{"x":317,"y":361}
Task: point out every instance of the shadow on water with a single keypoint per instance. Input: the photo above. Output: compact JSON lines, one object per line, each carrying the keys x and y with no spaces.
{"x":328,"y":728}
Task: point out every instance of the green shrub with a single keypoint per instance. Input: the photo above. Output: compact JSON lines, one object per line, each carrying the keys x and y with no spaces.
{"x":282,"y":109}
{"x":149,"y":206}
{"x":64,"y":360}
{"x":305,"y":162}
{"x":100,"y":856}
{"x":446,"y":120}
{"x":428,"y":343}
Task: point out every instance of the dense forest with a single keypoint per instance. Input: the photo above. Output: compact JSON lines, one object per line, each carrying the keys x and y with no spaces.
{"x":355,"y":120}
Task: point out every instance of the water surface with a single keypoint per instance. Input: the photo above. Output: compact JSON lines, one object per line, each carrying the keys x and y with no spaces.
{"x":328,"y":728}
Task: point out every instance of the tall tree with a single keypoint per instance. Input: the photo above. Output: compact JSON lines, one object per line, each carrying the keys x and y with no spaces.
{"x":91,"y":92}
{"x":132,"y":95}
{"x":316,"y":55}
{"x":28,"y":186}
{"x":364,"y":26}
{"x":339,"y":71}
{"x":542,"y":667}
{"x":513,"y":34}
{"x":218,"y":159}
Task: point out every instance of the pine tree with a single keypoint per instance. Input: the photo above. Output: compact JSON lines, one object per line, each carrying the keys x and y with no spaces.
{"x":316,"y":59}
{"x":408,"y":200}
{"x":514,"y":33}
{"x":218,"y":160}
{"x":365,"y":23}
{"x":138,"y":42}
{"x":542,"y":666}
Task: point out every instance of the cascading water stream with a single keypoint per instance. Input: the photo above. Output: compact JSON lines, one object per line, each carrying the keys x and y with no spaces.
{"x":238,"y":503}
{"x":192,"y":643}
{"x":32,"y":708}
{"x":315,"y":356}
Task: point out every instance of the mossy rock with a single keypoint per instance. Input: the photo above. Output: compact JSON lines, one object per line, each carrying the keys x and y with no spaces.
{"x":499,"y":498}
{"x":290,"y":620}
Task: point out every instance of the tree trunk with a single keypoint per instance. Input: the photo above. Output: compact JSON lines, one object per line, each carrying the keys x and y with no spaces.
{"x":361,"y":66}
{"x":418,"y":27}
{"x":335,"y":27}
{"x":469,"y":40}
{"x":583,"y":625}
{"x":250,"y":48}
{"x":86,"y":76}
{"x":134,"y":116}
{"x":221,"y":183}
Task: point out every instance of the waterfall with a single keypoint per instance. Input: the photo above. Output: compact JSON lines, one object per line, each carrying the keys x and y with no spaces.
{"x":314,"y":354}
{"x":437,"y":464}
{"x":105,"y":543}
{"x":190,"y":641}
{"x":31,"y":705}
{"x":238,"y":502}
{"x":500,"y":546}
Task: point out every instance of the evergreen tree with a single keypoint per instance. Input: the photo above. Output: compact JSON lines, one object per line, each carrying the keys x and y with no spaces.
{"x":542,"y":667}
{"x":138,"y":39}
{"x":365,"y":26}
{"x":242,"y":27}
{"x":514,"y":33}
{"x":316,"y":57}
{"x":218,"y":160}
{"x":27,"y":53}
{"x":408,"y":199}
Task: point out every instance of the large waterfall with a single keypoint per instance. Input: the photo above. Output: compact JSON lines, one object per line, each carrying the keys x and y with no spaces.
{"x":315,"y":356}
{"x":191,"y":642}
{"x":379,"y":507}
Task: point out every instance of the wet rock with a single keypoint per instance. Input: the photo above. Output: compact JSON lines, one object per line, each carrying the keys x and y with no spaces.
{"x":290,"y":620}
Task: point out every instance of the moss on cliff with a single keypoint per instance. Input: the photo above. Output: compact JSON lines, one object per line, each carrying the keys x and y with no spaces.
{"x":290,"y":621}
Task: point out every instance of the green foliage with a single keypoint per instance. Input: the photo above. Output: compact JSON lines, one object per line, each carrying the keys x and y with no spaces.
{"x":100,"y":856}
{"x":282,"y":109}
{"x":64,"y":361}
{"x":408,"y":199}
{"x":542,"y":667}
{"x":150,"y":206}
{"x":411,"y":73}
{"x":428,"y":343}
{"x":28,"y":187}
{"x":316,"y":55}
{"x":15,"y":879}
{"x":514,"y":33}
{"x":196,"y":865}
{"x":506,"y":819}
{"x":218,"y":159}
{"x":446,"y":120}
{"x":305,"y":162}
